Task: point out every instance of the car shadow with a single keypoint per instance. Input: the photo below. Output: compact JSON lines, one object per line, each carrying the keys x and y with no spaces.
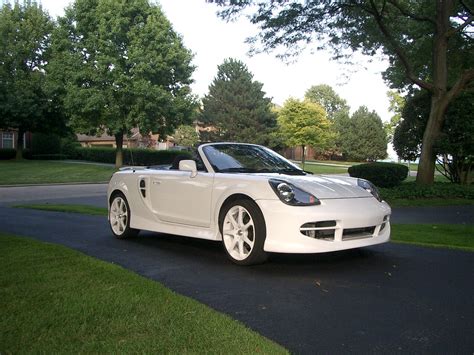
{"x":212,"y":254}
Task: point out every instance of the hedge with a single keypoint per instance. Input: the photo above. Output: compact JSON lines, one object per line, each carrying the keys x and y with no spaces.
{"x":410,"y":190}
{"x":143,"y":157}
{"x":7,"y":153}
{"x":381,"y":174}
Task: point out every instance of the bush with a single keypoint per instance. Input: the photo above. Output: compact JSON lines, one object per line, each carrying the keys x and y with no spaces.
{"x":7,"y":153}
{"x":130,"y":156}
{"x":45,"y":144}
{"x":410,"y":190}
{"x":381,"y":174}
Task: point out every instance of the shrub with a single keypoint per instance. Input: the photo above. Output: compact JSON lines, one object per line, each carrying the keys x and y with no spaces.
{"x":130,"y":156}
{"x":7,"y":153}
{"x":381,"y":174}
{"x":410,"y":190}
{"x":43,"y":143}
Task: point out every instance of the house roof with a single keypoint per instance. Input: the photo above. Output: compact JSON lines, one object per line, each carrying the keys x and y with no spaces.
{"x":135,"y":135}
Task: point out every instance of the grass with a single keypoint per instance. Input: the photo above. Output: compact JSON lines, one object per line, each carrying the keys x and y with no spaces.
{"x":56,"y":300}
{"x":44,"y":172}
{"x":324,"y":169}
{"x":84,"y":209}
{"x":454,"y":236}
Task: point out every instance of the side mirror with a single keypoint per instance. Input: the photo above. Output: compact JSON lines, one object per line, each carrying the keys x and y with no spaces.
{"x":188,"y":165}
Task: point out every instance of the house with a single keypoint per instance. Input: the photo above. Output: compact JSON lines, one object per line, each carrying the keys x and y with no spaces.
{"x":8,"y":139}
{"x":135,"y":140}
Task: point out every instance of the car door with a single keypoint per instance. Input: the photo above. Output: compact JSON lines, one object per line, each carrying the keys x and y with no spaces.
{"x":176,"y":197}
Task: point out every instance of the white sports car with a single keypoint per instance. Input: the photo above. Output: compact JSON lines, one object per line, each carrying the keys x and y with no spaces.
{"x":250,"y":198}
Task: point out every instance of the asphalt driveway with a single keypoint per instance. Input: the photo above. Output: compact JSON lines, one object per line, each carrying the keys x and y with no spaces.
{"x":390,"y":298}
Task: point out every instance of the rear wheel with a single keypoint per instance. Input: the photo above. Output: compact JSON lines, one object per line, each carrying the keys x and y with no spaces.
{"x":119,"y":217}
{"x":243,"y":232}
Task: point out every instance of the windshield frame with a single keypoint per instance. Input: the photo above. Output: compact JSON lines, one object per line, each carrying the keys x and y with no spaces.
{"x":204,"y":152}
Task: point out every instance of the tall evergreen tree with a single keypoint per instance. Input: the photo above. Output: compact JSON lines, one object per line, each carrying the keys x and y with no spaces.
{"x":123,"y":66}
{"x":362,"y":137}
{"x":25,"y":32}
{"x":236,"y":105}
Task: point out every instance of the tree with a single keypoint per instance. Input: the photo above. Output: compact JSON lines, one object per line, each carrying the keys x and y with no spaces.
{"x":303,"y":123}
{"x":325,"y":95}
{"x":335,"y":106}
{"x":422,"y":40}
{"x":362,"y":137}
{"x":454,"y":147}
{"x":397,"y":102}
{"x":186,"y":136}
{"x":123,"y":66}
{"x":25,"y":30}
{"x":237,"y":106}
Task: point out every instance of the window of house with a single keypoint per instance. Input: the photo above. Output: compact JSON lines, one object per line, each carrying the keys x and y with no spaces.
{"x":7,"y":140}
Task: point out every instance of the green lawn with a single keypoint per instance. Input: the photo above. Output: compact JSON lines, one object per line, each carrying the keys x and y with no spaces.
{"x":324,"y":169}
{"x":56,"y":300}
{"x":437,"y":235}
{"x":40,"y":172}
{"x":84,"y":209}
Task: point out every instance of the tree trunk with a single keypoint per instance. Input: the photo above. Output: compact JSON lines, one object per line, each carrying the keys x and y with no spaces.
{"x":19,"y":144}
{"x":439,"y":98}
{"x":303,"y":156}
{"x":426,"y":168}
{"x":119,"y":150}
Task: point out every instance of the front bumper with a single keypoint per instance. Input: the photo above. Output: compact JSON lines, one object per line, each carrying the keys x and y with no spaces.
{"x":284,"y":222}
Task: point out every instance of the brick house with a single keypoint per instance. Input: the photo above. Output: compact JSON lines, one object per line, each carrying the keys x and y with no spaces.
{"x":8,"y":139}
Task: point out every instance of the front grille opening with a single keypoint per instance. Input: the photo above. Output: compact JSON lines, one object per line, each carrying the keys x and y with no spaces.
{"x":323,"y":230}
{"x":358,"y":233}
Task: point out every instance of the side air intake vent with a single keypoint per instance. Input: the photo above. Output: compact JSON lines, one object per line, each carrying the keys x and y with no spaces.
{"x":143,"y":188}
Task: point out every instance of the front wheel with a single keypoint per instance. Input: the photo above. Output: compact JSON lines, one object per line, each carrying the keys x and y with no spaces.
{"x":119,"y":217}
{"x":243,"y":232}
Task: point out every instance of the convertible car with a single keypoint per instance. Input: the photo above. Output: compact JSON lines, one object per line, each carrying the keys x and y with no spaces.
{"x":250,"y":198}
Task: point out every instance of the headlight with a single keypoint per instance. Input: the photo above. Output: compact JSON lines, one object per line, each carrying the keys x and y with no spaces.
{"x":368,"y":186}
{"x":291,"y":195}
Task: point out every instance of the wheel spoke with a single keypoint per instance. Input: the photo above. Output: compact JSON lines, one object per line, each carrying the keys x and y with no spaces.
{"x":246,"y":226}
{"x":232,"y":220}
{"x":240,"y":217}
{"x":241,"y":248}
{"x":248,"y":241}
{"x":233,"y":244}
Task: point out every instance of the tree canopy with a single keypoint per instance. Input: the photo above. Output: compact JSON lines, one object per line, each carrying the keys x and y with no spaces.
{"x":237,"y":106}
{"x":325,"y":95}
{"x":123,"y":67}
{"x":25,"y":32}
{"x":397,"y":102}
{"x":303,"y":123}
{"x":454,"y":146}
{"x":427,"y":43}
{"x":186,"y":136}
{"x":362,"y":136}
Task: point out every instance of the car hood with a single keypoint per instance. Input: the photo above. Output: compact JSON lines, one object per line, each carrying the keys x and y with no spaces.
{"x":326,"y":187}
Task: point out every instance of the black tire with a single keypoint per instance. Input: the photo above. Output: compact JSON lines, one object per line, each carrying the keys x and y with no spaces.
{"x":256,"y":233}
{"x":125,"y":231}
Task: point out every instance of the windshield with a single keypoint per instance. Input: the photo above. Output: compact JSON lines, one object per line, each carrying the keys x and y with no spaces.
{"x":243,"y":158}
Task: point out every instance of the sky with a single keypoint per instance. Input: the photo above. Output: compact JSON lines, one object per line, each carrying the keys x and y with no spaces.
{"x":212,"y":40}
